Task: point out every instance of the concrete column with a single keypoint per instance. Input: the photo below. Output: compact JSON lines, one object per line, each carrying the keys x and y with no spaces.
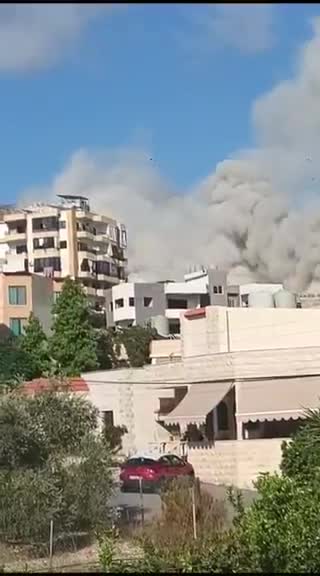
{"x":237,"y":385}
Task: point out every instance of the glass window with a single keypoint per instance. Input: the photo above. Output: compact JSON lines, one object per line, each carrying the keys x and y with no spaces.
{"x":16,"y":325}
{"x":62,"y":224}
{"x":17,"y":295}
{"x":63,"y":243}
{"x":119,"y":303}
{"x":147,"y":302}
{"x":131,"y":301}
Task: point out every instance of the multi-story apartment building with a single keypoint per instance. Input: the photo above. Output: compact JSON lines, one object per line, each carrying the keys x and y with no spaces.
{"x":65,"y":239}
{"x":20,"y":294}
{"x":135,"y":303}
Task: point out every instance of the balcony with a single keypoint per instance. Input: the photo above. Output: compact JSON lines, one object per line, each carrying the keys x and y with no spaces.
{"x":13,"y":236}
{"x":85,"y":235}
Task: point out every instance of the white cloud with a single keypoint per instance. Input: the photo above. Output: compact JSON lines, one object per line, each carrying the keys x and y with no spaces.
{"x":244,"y":27}
{"x":244,"y":215}
{"x":34,"y":36}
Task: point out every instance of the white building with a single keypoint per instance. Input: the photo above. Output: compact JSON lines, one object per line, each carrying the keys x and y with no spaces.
{"x":135,"y":303}
{"x":243,"y":376}
{"x":64,"y":239}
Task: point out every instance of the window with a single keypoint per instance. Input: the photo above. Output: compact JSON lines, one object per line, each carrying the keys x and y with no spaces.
{"x":179,"y":304}
{"x":107,"y":416}
{"x":123,"y":237}
{"x":217,"y":290}
{"x":16,"y":325}
{"x":43,"y":243}
{"x":48,"y":223}
{"x":103,"y":268}
{"x":84,"y":267}
{"x":119,"y":303}
{"x":41,"y":263}
{"x":220,"y":290}
{"x":222,"y":413}
{"x":63,"y":243}
{"x":131,"y":301}
{"x":62,"y":224}
{"x":147,"y":302}
{"x":111,"y":306}
{"x":171,"y":460}
{"x":17,"y":295}
{"x":22,"y":249}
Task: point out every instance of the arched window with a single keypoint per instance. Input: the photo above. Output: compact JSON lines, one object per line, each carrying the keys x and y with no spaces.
{"x":222,"y":413}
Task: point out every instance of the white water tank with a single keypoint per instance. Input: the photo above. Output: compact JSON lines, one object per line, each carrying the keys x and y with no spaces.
{"x":260,"y":300}
{"x":161,"y":325}
{"x":285,"y":299}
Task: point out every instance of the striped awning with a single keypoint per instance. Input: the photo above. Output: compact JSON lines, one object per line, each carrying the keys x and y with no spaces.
{"x":198,"y":402}
{"x":277,"y":398}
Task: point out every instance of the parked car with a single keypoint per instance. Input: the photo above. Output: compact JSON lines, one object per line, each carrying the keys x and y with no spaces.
{"x":154,"y":473}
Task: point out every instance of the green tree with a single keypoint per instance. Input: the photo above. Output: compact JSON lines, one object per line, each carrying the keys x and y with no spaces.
{"x":35,"y":345}
{"x":15,"y":363}
{"x":301,"y":455}
{"x":73,"y":343}
{"x":279,"y":532}
{"x":53,"y":465}
{"x":136,"y":341}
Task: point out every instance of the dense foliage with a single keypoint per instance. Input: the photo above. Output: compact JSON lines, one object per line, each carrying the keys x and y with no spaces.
{"x":136,"y":341}
{"x":301,"y":456}
{"x":73,"y":344}
{"x":53,"y":466}
{"x":15,"y":363}
{"x":34,"y":344}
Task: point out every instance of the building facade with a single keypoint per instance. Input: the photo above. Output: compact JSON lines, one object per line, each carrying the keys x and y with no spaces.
{"x":136,"y":303}
{"x":65,"y":239}
{"x":20,"y":294}
{"x":236,"y":384}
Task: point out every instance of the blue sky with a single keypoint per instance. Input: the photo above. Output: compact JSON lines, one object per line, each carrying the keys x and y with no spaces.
{"x":173,"y":79}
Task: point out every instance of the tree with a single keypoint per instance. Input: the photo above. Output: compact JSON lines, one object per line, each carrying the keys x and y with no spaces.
{"x":301,"y":456}
{"x":15,"y":363}
{"x":73,"y":344}
{"x":277,"y":534}
{"x":35,"y":344}
{"x":136,"y":341}
{"x":53,"y":465}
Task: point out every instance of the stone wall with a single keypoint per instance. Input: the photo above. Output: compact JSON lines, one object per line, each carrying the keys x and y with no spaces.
{"x":235,"y":462}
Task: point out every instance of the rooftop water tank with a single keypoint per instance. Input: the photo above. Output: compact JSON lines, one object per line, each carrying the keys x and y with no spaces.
{"x":161,"y":325}
{"x":285,"y":299}
{"x":260,"y":300}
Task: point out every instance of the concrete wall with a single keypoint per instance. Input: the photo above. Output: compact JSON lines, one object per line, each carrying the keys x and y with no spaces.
{"x":235,"y":462}
{"x":244,"y":329}
{"x":134,"y":405}
{"x":154,"y":291}
{"x":42,"y":300}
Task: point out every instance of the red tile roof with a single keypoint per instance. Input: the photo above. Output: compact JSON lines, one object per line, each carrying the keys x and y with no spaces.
{"x":195,"y":313}
{"x":46,"y":384}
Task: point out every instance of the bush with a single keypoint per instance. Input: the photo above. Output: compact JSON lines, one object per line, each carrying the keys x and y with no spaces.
{"x":53,"y":466}
{"x":301,"y":456}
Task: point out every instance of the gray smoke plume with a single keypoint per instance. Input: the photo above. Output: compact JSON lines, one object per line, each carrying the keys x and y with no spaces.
{"x":257,"y":215}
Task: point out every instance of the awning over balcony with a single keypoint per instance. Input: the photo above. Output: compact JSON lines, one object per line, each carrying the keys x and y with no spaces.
{"x":277,"y":399}
{"x":198,"y":402}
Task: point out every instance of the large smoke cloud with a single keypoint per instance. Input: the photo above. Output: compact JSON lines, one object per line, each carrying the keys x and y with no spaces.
{"x":246,"y":216}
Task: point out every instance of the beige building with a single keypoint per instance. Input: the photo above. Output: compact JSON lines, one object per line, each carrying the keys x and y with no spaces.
{"x":236,"y":384}
{"x":20,"y":294}
{"x":65,"y":239}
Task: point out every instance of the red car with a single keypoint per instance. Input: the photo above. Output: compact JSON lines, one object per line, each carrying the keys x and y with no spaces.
{"x":153,"y":472}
